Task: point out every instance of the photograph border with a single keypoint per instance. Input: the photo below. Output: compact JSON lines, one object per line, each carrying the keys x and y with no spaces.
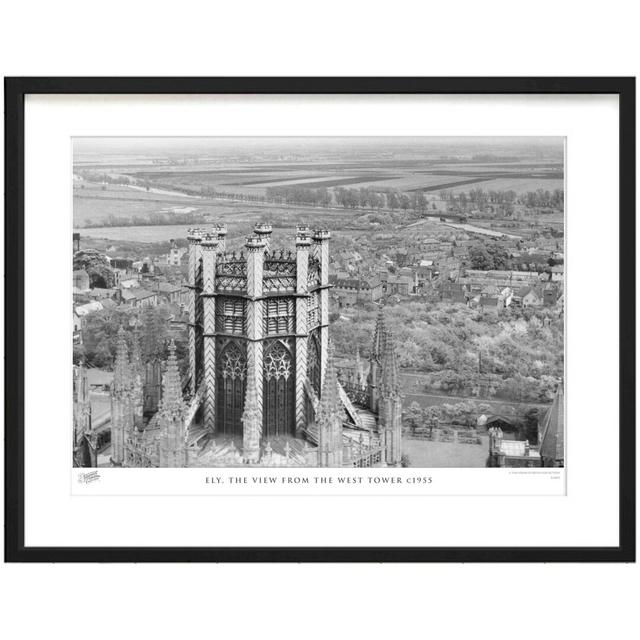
{"x":15,"y":91}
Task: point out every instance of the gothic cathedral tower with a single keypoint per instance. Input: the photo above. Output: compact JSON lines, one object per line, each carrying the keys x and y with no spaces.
{"x":259,"y":315}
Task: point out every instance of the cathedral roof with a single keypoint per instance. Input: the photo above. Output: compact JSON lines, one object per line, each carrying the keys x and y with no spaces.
{"x":552,"y":441}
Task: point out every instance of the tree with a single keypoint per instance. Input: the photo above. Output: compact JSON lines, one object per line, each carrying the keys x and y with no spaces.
{"x":500,"y":256}
{"x":480,"y":258}
{"x":97,"y":266}
{"x":413,"y":417}
{"x":489,"y":257}
{"x":100,"y":335}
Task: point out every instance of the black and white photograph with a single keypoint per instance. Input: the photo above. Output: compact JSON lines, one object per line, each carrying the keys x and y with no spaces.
{"x":361,"y":311}
{"x":318,"y":302}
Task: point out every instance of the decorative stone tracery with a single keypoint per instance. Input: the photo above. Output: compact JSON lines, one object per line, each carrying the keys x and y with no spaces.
{"x":231,"y":373}
{"x":278,"y":388}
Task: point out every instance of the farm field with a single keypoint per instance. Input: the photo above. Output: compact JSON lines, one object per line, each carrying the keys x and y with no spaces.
{"x":160,"y":233}
{"x":419,"y":181}
{"x":519,"y":185}
{"x":98,"y":209}
{"x":239,"y":218}
{"x":88,"y":189}
{"x":161,"y":187}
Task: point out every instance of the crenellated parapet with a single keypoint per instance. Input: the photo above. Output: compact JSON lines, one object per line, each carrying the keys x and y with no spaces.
{"x":301,"y":271}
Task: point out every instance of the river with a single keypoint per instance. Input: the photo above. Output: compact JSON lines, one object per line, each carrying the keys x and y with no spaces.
{"x":481,"y":230}
{"x":147,"y":233}
{"x":164,"y":192}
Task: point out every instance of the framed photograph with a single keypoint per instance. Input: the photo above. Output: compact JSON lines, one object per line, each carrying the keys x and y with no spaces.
{"x":320,"y":319}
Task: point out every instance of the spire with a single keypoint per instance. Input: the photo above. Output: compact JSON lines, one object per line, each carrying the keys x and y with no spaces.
{"x":379,"y":337}
{"x":172,"y":401}
{"x":121,"y":371}
{"x":329,"y":418}
{"x":389,"y":378}
{"x":330,"y":397}
{"x":152,"y":343}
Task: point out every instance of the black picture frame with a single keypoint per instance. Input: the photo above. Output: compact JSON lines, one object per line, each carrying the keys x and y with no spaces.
{"x":15,"y":91}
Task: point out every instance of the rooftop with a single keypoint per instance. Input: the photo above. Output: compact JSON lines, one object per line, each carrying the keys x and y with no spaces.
{"x":136,"y":293}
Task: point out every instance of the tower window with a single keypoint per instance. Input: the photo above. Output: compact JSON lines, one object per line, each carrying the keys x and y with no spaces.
{"x":279,"y":316}
{"x":230,"y":316}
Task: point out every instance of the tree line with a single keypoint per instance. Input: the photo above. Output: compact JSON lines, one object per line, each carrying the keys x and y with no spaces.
{"x":503,"y":201}
{"x":151,"y":220}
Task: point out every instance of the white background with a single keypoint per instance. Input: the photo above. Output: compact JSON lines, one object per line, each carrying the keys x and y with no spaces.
{"x":53,"y":517}
{"x":335,"y":38}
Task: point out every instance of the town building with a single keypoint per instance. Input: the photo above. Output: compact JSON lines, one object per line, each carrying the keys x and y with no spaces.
{"x":550,"y":294}
{"x":100,"y":293}
{"x":402,"y":285}
{"x":527,"y":297}
{"x":82,"y":310}
{"x":453,"y":292}
{"x":124,"y":264}
{"x":168,"y":292}
{"x":174,"y":257}
{"x":139,"y":298}
{"x":557,"y":273}
{"x":349,"y":291}
{"x":491,"y":303}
